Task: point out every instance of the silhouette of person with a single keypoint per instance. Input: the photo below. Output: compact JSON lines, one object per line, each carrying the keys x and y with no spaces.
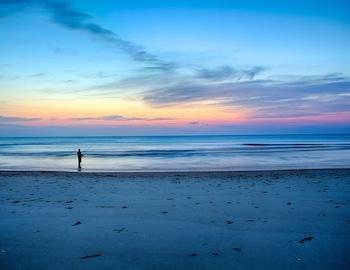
{"x":80,"y":155}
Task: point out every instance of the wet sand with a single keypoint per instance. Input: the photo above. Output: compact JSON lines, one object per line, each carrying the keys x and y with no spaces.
{"x":220,"y":220}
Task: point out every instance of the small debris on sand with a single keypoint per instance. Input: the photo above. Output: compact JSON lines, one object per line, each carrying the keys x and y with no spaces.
{"x":77,"y":223}
{"x":309,"y":238}
{"x":124,"y":207}
{"x":215,"y":254}
{"x":119,"y":230}
{"x":90,"y":256}
{"x":164,"y":212}
{"x":237,"y":249}
{"x":229,"y":222}
{"x":289,"y":203}
{"x":193,"y":254}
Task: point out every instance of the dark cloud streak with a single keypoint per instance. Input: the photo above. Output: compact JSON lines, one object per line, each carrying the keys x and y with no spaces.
{"x":117,"y":117}
{"x":304,"y":96}
{"x":228,"y":72}
{"x":9,"y":119}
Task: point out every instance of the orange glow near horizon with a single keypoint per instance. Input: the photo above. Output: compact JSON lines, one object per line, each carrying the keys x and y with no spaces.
{"x":66,"y":112}
{"x":133,"y":112}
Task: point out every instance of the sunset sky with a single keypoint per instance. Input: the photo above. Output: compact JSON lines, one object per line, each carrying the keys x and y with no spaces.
{"x":145,"y":67}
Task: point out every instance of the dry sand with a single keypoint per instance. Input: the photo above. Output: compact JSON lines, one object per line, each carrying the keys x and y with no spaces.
{"x":227,"y":220}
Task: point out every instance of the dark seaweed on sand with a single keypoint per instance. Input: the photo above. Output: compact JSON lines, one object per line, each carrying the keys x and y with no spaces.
{"x":309,"y":238}
{"x":76,"y":223}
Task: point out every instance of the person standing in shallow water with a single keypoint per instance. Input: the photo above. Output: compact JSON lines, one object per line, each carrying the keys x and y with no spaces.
{"x":80,"y":155}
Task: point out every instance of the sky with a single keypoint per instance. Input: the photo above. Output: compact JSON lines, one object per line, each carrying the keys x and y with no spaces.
{"x":149,"y":67}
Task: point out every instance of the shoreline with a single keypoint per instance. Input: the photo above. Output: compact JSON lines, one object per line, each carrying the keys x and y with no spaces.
{"x":171,"y":173}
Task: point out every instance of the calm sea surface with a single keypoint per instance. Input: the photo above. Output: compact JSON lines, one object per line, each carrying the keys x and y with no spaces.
{"x":169,"y":153}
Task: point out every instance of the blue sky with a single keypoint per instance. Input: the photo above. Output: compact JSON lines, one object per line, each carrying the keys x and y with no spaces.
{"x":154,"y":67}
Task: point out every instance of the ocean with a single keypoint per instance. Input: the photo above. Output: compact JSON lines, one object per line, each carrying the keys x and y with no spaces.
{"x":176,"y":153}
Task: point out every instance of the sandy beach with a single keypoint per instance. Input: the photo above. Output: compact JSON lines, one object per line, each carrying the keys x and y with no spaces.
{"x":297,"y":219}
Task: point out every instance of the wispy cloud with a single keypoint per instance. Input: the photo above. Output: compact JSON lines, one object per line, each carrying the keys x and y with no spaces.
{"x":202,"y":90}
{"x":64,"y":14}
{"x":11,"y":119}
{"x":228,"y":72}
{"x":266,"y":98}
{"x":4,"y":119}
{"x":8,"y":7}
{"x":37,"y":75}
{"x":271,"y":97}
{"x":117,"y":117}
{"x":98,"y":75}
{"x":64,"y":51}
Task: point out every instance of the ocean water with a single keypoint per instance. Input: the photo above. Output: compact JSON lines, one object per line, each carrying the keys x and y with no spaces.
{"x":176,"y":153}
